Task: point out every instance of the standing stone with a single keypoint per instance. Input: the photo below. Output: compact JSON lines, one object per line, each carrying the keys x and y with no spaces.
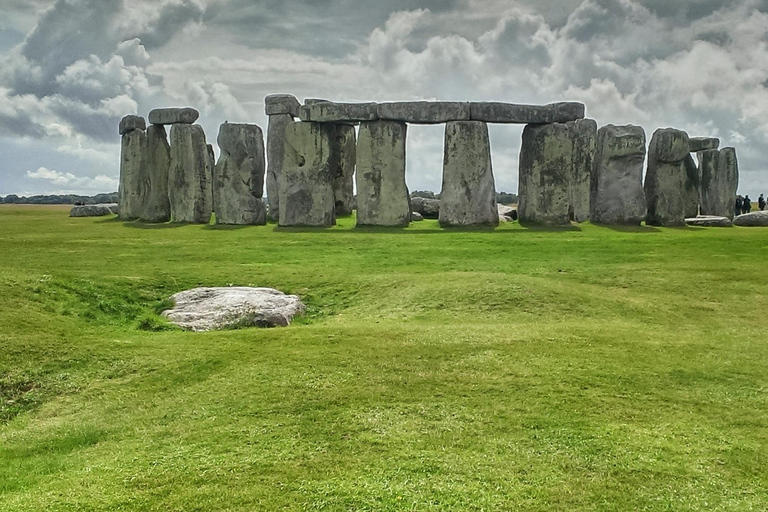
{"x":189,"y":183}
{"x":306,"y":179}
{"x":157,"y":165}
{"x":130,"y":195}
{"x":692,"y":187}
{"x":238,"y":177}
{"x":719,"y":181}
{"x":130,"y":123}
{"x":468,"y":196}
{"x":344,"y":145}
{"x":546,"y":160}
{"x":616,"y":189}
{"x":665,"y":178}
{"x":382,"y":195}
{"x":275,"y":155}
{"x":584,"y":136}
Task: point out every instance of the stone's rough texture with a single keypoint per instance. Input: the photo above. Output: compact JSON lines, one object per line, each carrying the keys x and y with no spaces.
{"x":584,"y":137}
{"x":276,"y":104}
{"x":692,"y":187}
{"x":424,"y":112}
{"x":754,"y":219}
{"x":546,"y":160}
{"x":312,"y":101}
{"x":130,"y":194}
{"x":506,"y":213}
{"x":709,"y":221}
{"x":238,"y":177}
{"x":428,"y":208}
{"x":416,"y":217}
{"x":526,"y":114}
{"x":156,"y":167}
{"x":186,"y":115}
{"x":616,"y":190}
{"x":344,"y":148}
{"x":205,"y":309}
{"x":703,"y":143}
{"x":382,"y":195}
{"x":665,"y":178}
{"x":327,"y":112}
{"x":468,"y":196}
{"x":306,"y":180}
{"x":130,"y":123}
{"x":189,"y":181}
{"x":90,"y":210}
{"x":275,"y":155}
{"x":728,"y":170}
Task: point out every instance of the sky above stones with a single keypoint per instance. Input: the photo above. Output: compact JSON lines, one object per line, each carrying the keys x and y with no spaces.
{"x":70,"y":69}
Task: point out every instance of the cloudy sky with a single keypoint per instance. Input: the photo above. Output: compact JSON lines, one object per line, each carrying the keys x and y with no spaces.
{"x":70,"y":69}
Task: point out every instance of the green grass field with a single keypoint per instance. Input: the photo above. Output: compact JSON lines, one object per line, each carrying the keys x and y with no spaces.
{"x":538,"y":369}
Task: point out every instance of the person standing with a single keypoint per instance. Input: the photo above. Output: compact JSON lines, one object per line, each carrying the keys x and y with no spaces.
{"x":761,"y":202}
{"x":739,"y":203}
{"x":746,"y":205}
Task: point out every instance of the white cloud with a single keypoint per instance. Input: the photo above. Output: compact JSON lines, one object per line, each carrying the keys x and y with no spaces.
{"x":72,"y":182}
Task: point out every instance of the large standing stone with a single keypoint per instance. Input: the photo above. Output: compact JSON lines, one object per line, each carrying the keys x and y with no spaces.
{"x":546,"y":160}
{"x":616,"y":190}
{"x":238,"y":177}
{"x":186,"y":115}
{"x":189,"y":183}
{"x":382,"y":195}
{"x":468,"y":196}
{"x":306,"y":180}
{"x":275,"y":155}
{"x":130,"y":123}
{"x":130,"y":195}
{"x":157,"y":165}
{"x":344,"y":145}
{"x":424,"y":112}
{"x":276,"y":104}
{"x":665,"y":178}
{"x":584,"y":136}
{"x":692,"y":187}
{"x":719,"y":181}
{"x":493,"y":112}
{"x":329,"y":112}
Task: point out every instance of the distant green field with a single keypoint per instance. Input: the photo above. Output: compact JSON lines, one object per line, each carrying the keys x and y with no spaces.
{"x":537,"y":369}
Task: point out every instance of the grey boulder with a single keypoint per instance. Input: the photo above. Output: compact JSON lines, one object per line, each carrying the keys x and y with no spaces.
{"x":90,"y":210}
{"x":416,"y":217}
{"x":156,"y":169}
{"x":205,"y":309}
{"x":130,"y":123}
{"x":495,"y":112}
{"x":131,"y":188}
{"x":329,"y":112}
{"x":424,"y":112}
{"x":584,"y":138}
{"x":754,"y":219}
{"x":275,"y":156}
{"x":506,"y":213}
{"x":666,"y":177}
{"x":185,"y":115}
{"x":428,"y":208}
{"x":276,"y":104}
{"x":709,"y":221}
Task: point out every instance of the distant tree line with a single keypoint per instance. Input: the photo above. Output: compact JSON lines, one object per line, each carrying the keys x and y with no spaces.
{"x":501,"y":197}
{"x":60,"y":199}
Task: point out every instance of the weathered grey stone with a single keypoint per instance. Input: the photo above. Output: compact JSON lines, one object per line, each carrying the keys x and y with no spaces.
{"x":312,"y":101}
{"x":130,"y":194}
{"x":753,"y":219}
{"x":344,"y":148}
{"x":665,"y":178}
{"x":130,"y":123}
{"x":205,"y":309}
{"x":90,"y":210}
{"x":719,"y":181}
{"x":382,"y":195}
{"x":493,"y":112}
{"x":546,"y":161}
{"x":424,"y":112}
{"x":584,"y":137}
{"x":238,"y":177}
{"x":468,"y":196}
{"x":275,"y":155}
{"x":692,"y":187}
{"x":416,"y":217}
{"x":728,"y":168}
{"x":428,"y":208}
{"x":697,"y":144}
{"x":616,"y":191}
{"x":156,"y":168}
{"x":709,"y":221}
{"x":114,"y":208}
{"x":276,"y":104}
{"x":186,"y":115}
{"x":306,"y":179}
{"x":506,"y":213}
{"x":189,"y":181}
{"x":327,"y":112}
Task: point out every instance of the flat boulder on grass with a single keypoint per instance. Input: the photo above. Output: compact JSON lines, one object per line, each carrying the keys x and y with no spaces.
{"x":754,"y":219}
{"x":709,"y":221}
{"x":207,"y":309}
{"x":91,"y":210}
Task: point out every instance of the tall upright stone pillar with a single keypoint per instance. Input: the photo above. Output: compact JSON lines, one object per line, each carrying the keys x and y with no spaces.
{"x":546,"y":161}
{"x":666,"y":177}
{"x":728,"y":169}
{"x":468,"y":196}
{"x":238,"y":177}
{"x":617,"y":195}
{"x":281,"y":109}
{"x":306,"y":179}
{"x":130,"y":194}
{"x":691,"y":187}
{"x":189,"y":183}
{"x":344,"y":144}
{"x":382,"y":195}
{"x":157,"y":206}
{"x":584,"y":136}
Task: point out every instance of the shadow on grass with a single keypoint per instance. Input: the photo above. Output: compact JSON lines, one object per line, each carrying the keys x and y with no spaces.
{"x":227,"y":227}
{"x":630,"y":228}
{"x":545,"y":228}
{"x":150,"y":225}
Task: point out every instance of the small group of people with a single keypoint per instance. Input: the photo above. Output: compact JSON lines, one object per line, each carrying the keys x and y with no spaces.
{"x":744,"y":204}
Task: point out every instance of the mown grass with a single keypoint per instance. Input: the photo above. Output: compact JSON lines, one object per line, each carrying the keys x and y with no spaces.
{"x":521,"y":368}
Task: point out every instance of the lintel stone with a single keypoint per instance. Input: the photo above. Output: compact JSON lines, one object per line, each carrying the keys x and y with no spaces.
{"x":186,"y":115}
{"x":329,"y":112}
{"x":703,"y":143}
{"x":424,"y":112}
{"x":494,"y":112}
